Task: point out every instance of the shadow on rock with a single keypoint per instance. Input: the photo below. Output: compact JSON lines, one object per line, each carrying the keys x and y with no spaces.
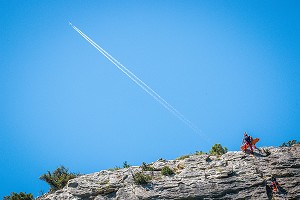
{"x":282,"y":190}
{"x":269,"y":192}
{"x":258,"y":154}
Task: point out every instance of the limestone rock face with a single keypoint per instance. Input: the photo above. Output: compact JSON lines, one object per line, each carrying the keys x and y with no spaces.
{"x":234,"y":175}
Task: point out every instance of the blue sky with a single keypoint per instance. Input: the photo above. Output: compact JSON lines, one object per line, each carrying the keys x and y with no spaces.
{"x":227,"y":66}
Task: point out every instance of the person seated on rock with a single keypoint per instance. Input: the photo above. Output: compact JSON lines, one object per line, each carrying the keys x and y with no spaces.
{"x":247,"y":141}
{"x":274,"y":183}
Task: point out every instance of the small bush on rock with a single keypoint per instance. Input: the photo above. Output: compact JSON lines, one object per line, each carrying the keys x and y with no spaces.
{"x":141,"y":179}
{"x":58,"y":178}
{"x":147,"y":167}
{"x":20,"y":196}
{"x":218,"y":150}
{"x":126,"y":165}
{"x":167,"y":171}
{"x":289,"y":143}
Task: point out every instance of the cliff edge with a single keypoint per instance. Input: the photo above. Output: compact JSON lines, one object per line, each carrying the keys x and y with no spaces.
{"x":234,"y":175}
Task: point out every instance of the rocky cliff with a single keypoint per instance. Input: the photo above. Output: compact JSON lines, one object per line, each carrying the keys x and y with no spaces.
{"x":234,"y":175}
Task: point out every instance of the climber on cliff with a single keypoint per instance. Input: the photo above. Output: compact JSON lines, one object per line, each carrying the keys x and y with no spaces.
{"x":274,"y":183}
{"x":247,"y":141}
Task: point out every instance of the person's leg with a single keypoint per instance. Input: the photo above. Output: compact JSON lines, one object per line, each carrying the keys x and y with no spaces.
{"x":245,"y":147}
{"x":274,"y":187}
{"x":250,"y":147}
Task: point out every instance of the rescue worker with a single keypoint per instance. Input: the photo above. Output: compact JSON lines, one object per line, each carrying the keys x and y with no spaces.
{"x":274,"y":184}
{"x":247,"y":141}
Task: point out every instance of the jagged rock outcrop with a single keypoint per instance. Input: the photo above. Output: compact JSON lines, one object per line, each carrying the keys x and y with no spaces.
{"x":230,"y":176}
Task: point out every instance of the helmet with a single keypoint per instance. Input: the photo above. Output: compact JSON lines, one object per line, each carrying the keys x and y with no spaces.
{"x":245,"y":134}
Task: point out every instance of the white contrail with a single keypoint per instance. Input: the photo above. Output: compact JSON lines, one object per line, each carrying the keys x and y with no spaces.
{"x":139,"y":82}
{"x":122,"y":69}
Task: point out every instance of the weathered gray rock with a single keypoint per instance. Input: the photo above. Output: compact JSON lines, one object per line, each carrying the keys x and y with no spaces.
{"x":231,"y":176}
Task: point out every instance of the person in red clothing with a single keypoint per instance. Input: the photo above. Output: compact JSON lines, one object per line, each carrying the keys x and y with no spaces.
{"x":274,"y":184}
{"x":247,"y":141}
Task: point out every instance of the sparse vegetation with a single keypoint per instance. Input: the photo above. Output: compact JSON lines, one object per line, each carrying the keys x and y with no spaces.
{"x":183,"y":157}
{"x":147,"y":167}
{"x":189,"y":155}
{"x":141,"y":179}
{"x":167,"y":171}
{"x":58,"y":178}
{"x":199,"y":153}
{"x":20,"y":196}
{"x":126,"y":165}
{"x":218,"y":150}
{"x":289,"y":143}
{"x":114,"y":169}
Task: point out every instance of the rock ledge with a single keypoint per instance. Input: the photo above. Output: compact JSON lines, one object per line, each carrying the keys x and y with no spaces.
{"x":231,"y":176}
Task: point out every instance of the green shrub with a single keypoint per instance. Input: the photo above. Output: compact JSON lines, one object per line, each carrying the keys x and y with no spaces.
{"x":20,"y":196}
{"x":289,"y":143}
{"x":199,"y":153}
{"x":58,"y":178}
{"x":218,"y":150}
{"x":141,"y":179}
{"x":126,"y":165}
{"x":167,"y":171}
{"x":147,"y":167}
